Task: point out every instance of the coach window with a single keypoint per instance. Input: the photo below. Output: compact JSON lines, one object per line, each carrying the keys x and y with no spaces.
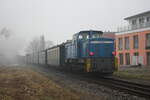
{"x":148,"y":41}
{"x":135,"y":42}
{"x":74,"y":39}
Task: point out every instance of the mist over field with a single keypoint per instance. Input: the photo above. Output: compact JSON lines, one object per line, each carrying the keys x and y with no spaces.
{"x":10,"y":46}
{"x":57,"y":20}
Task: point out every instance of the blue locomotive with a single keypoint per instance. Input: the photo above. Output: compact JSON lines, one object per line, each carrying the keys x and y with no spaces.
{"x":88,"y":50}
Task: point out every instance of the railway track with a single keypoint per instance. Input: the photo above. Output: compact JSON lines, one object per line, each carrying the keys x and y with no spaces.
{"x":129,"y":87}
{"x":126,"y":86}
{"x":112,"y":82}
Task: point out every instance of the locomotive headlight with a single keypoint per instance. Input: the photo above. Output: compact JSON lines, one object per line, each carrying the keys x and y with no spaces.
{"x":91,"y":53}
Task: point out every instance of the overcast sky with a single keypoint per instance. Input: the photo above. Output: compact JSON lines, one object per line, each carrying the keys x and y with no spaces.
{"x":58,"y":20}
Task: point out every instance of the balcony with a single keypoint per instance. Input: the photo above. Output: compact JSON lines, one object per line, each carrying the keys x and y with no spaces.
{"x":133,"y":27}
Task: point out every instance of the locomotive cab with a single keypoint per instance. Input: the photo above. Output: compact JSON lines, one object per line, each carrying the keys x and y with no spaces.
{"x":84,"y":43}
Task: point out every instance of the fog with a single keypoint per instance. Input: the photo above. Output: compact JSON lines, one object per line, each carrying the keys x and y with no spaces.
{"x":10,"y":46}
{"x":58,"y":20}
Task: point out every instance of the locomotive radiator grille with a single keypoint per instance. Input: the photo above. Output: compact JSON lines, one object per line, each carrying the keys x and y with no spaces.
{"x":102,"y":65}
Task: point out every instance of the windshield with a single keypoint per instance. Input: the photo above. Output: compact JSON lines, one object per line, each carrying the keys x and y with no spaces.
{"x":96,"y":35}
{"x":84,"y":36}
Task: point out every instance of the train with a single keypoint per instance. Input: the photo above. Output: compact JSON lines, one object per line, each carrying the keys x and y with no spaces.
{"x":88,"y":50}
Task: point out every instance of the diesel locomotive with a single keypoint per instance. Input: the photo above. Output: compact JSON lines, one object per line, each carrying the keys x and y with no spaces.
{"x":87,"y":49}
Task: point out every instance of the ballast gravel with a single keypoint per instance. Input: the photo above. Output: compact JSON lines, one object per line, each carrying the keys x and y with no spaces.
{"x":87,"y":91}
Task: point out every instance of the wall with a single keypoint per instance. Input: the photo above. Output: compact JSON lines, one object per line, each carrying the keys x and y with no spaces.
{"x":142,"y":43}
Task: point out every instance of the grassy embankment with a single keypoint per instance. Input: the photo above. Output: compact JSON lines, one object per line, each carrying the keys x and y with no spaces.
{"x":140,"y":74}
{"x":24,"y":84}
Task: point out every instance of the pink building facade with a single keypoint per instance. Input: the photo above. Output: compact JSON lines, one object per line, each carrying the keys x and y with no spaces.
{"x":133,"y":42}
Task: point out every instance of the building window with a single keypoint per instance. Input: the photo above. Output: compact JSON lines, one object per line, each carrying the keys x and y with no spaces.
{"x":127,"y":56}
{"x":148,"y":41}
{"x":135,"y":42}
{"x":120,"y":44}
{"x":134,"y":22}
{"x":148,"y":58}
{"x":136,"y":54}
{"x":127,"y":45}
{"x":121,"y":58}
{"x":147,"y":19}
{"x":141,"y":20}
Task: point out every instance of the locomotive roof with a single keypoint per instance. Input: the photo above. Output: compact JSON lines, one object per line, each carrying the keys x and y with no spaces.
{"x":92,"y":31}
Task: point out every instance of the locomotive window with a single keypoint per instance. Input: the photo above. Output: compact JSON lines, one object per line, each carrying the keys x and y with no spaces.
{"x":80,"y":37}
{"x":96,"y":35}
{"x":84,"y":36}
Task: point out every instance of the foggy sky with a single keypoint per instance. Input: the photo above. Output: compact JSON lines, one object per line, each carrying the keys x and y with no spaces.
{"x":58,"y":20}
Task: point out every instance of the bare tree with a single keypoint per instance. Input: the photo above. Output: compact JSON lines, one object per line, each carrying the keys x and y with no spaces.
{"x":42,"y":43}
{"x":38,"y":44}
{"x":34,"y":46}
{"x":5,"y":32}
{"x":48,"y":44}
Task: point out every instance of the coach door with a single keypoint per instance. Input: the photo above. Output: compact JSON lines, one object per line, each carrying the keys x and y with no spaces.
{"x":148,"y":58}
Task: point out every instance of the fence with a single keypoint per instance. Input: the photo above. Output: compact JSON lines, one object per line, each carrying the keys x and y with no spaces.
{"x":133,"y":27}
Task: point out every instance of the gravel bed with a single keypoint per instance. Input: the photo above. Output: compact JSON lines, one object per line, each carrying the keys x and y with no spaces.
{"x":89,"y":91}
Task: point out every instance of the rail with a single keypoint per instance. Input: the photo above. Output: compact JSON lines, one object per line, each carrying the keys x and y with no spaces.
{"x":130,"y":87}
{"x":138,"y":89}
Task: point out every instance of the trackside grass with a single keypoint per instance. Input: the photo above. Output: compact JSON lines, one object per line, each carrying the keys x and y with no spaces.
{"x":141,"y":74}
{"x":24,"y":84}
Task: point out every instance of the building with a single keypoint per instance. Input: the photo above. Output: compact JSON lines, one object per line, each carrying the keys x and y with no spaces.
{"x":133,"y":41}
{"x":109,"y":34}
